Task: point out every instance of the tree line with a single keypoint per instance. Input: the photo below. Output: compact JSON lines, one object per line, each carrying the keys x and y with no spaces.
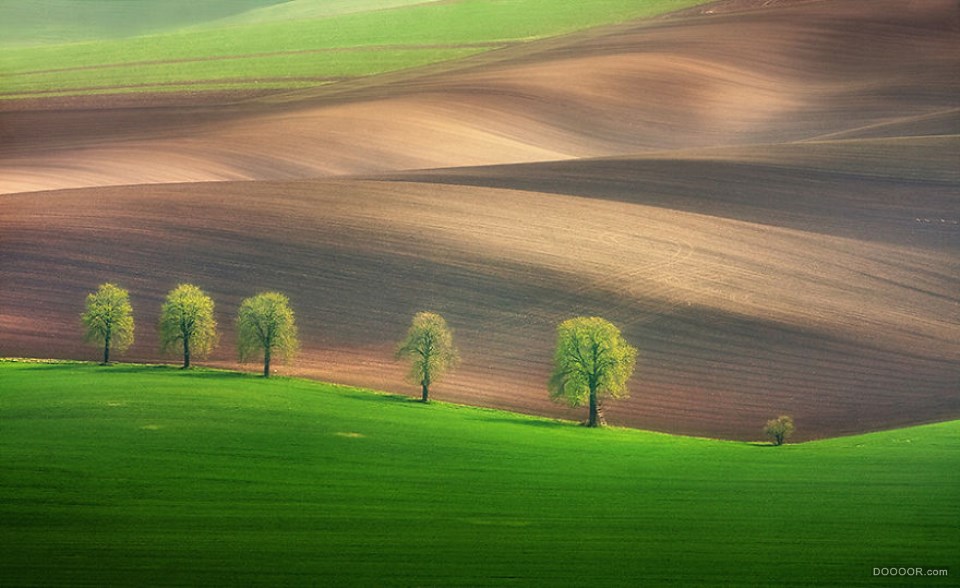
{"x":592,"y":361}
{"x":265,"y":324}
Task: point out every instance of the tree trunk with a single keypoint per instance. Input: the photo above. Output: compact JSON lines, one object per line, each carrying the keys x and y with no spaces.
{"x":106,"y":349}
{"x":266,"y":362}
{"x":424,"y":392}
{"x":594,"y":409}
{"x":186,"y":352}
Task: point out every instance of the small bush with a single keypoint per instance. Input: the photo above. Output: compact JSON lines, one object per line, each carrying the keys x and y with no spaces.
{"x":779,"y":429}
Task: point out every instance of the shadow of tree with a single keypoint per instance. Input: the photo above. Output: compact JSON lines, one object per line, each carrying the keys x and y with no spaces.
{"x":541,"y":423}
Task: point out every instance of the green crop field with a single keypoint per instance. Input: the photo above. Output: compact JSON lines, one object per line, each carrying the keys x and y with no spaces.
{"x":307,"y":38}
{"x":283,"y":70}
{"x":148,"y":475}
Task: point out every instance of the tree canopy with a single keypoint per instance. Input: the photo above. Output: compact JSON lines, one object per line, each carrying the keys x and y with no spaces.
{"x":187,"y":324}
{"x":108,"y":319}
{"x":779,"y":429}
{"x":429,"y":348}
{"x":592,"y":362}
{"x":265,"y":324}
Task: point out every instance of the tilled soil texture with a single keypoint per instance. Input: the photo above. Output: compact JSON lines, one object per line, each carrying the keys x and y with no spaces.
{"x":750,"y":288}
{"x":773,"y":218}
{"x":783,"y":73}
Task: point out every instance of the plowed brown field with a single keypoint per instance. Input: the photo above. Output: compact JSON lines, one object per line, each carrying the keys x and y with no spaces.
{"x":765,"y":201}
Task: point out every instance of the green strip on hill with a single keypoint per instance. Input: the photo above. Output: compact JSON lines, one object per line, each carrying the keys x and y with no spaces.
{"x":250,"y":72}
{"x":152,"y":475}
{"x":440,"y":27}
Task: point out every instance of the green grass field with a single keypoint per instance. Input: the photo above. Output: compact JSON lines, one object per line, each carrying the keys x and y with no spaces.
{"x":148,"y":475}
{"x":37,"y":22}
{"x":283,"y":70}
{"x":303,"y":38}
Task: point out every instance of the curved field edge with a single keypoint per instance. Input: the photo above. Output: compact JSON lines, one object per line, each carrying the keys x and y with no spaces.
{"x":210,"y":476}
{"x":12,"y":363}
{"x":182,"y":54}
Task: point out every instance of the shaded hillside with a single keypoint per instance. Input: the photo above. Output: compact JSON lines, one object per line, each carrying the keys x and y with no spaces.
{"x":765,"y":76}
{"x":891,"y":190}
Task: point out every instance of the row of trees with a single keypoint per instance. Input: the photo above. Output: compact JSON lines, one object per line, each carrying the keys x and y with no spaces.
{"x":265,"y":324}
{"x":592,"y":361}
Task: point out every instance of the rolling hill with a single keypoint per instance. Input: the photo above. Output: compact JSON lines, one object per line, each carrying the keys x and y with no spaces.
{"x":286,"y":45}
{"x":765,"y":199}
{"x":51,"y":22}
{"x":769,"y":76}
{"x":838,"y":308}
{"x":115,"y":475}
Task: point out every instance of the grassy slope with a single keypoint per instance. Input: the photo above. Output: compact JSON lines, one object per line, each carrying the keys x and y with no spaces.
{"x":36,"y":22}
{"x":449,"y":24}
{"x":151,"y":475}
{"x":251,"y":71}
{"x":309,"y":9}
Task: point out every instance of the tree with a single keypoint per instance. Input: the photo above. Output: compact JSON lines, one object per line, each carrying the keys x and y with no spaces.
{"x":186,"y":323}
{"x":108,"y":319}
{"x":265,"y":323}
{"x":592,"y":362}
{"x":429,"y":348}
{"x":779,"y":429}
